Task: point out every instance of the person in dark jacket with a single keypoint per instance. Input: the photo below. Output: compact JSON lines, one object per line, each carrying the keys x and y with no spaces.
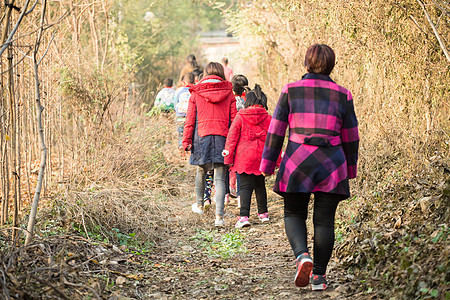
{"x":211,"y":109}
{"x":320,"y":158}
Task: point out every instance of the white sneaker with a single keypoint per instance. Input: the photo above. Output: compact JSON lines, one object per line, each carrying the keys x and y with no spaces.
{"x":219,"y":221}
{"x":197,"y":209}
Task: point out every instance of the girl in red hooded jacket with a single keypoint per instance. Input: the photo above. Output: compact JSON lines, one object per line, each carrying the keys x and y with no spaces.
{"x":243,"y":151}
{"x":211,"y":110}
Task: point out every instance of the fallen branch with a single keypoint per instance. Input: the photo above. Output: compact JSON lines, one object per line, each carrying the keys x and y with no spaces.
{"x":83,"y":286}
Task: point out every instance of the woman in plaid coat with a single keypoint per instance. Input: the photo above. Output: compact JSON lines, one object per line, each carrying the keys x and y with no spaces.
{"x":320,"y":157}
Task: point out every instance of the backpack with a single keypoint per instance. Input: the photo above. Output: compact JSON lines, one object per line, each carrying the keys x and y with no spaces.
{"x":183,"y":101}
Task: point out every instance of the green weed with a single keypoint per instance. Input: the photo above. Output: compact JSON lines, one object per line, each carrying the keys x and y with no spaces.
{"x":218,"y":245}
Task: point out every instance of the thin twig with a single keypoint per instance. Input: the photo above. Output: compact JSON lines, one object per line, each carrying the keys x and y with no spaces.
{"x":81,"y":285}
{"x":51,"y":285}
{"x":5,"y":286}
{"x":436,"y":33}
{"x":14,"y":228}
{"x":32,"y":8}
{"x":13,"y":31}
{"x":48,"y":47}
{"x":17,"y":63}
{"x":66,"y":13}
{"x":443,"y":9}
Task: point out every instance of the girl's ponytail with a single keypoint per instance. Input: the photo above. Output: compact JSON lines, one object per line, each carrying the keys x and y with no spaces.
{"x":256,"y":97}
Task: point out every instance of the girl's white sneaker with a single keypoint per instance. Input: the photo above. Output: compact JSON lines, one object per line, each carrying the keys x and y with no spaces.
{"x":197,"y":209}
{"x":219,"y":221}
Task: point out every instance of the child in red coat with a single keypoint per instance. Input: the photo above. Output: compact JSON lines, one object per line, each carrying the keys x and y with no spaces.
{"x":243,"y":151}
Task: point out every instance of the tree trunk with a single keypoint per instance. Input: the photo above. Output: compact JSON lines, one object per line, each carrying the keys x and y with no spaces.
{"x":7,"y":162}
{"x":39,"y":109}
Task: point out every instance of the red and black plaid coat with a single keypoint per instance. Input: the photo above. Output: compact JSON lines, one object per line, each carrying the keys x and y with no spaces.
{"x":322,"y":151}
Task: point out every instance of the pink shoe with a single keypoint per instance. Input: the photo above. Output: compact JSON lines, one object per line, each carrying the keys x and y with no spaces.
{"x":264,"y":217}
{"x":242,"y":222}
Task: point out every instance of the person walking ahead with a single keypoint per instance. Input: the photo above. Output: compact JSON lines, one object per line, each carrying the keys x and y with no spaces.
{"x":243,"y":149}
{"x":320,"y":157}
{"x":211,"y":109}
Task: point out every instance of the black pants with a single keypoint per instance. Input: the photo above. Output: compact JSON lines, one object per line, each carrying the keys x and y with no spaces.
{"x":248,"y":183}
{"x":295,"y":215}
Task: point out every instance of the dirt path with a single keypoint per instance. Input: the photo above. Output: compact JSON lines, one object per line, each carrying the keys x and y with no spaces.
{"x":265,"y":271}
{"x":184,"y":267}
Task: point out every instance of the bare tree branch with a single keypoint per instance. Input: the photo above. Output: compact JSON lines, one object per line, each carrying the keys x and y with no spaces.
{"x":11,"y":34}
{"x":48,"y":46}
{"x":443,"y":9}
{"x":436,"y":33}
{"x":17,"y":63}
{"x":32,"y":8}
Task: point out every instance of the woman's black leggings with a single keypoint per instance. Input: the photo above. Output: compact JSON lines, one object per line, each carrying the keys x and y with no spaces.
{"x":248,"y":183}
{"x":295,"y":215}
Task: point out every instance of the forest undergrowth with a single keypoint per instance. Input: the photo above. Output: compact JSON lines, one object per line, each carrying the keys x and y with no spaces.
{"x":112,"y":223}
{"x":114,"y":220}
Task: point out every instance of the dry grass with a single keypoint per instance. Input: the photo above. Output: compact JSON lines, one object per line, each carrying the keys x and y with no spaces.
{"x":131,"y":182}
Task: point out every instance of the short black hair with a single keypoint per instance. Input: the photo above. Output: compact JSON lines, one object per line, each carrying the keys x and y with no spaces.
{"x":168,"y":82}
{"x":197,"y":72}
{"x":240,"y":84}
{"x":189,"y":78}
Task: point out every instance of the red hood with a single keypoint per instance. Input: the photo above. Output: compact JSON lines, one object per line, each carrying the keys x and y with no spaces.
{"x":213,"y":91}
{"x":254,"y":114}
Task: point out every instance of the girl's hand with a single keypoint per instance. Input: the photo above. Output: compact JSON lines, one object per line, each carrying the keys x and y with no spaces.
{"x":188,"y":148}
{"x":266,"y":175}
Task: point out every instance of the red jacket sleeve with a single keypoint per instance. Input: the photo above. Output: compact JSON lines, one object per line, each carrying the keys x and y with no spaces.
{"x":189,"y":126}
{"x":233,"y":137}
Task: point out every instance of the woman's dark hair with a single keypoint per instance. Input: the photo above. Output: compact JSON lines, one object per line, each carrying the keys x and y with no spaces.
{"x":192,"y":61}
{"x":256,"y":97}
{"x":215,"y":68}
{"x":320,"y":59}
{"x":240,"y":84}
